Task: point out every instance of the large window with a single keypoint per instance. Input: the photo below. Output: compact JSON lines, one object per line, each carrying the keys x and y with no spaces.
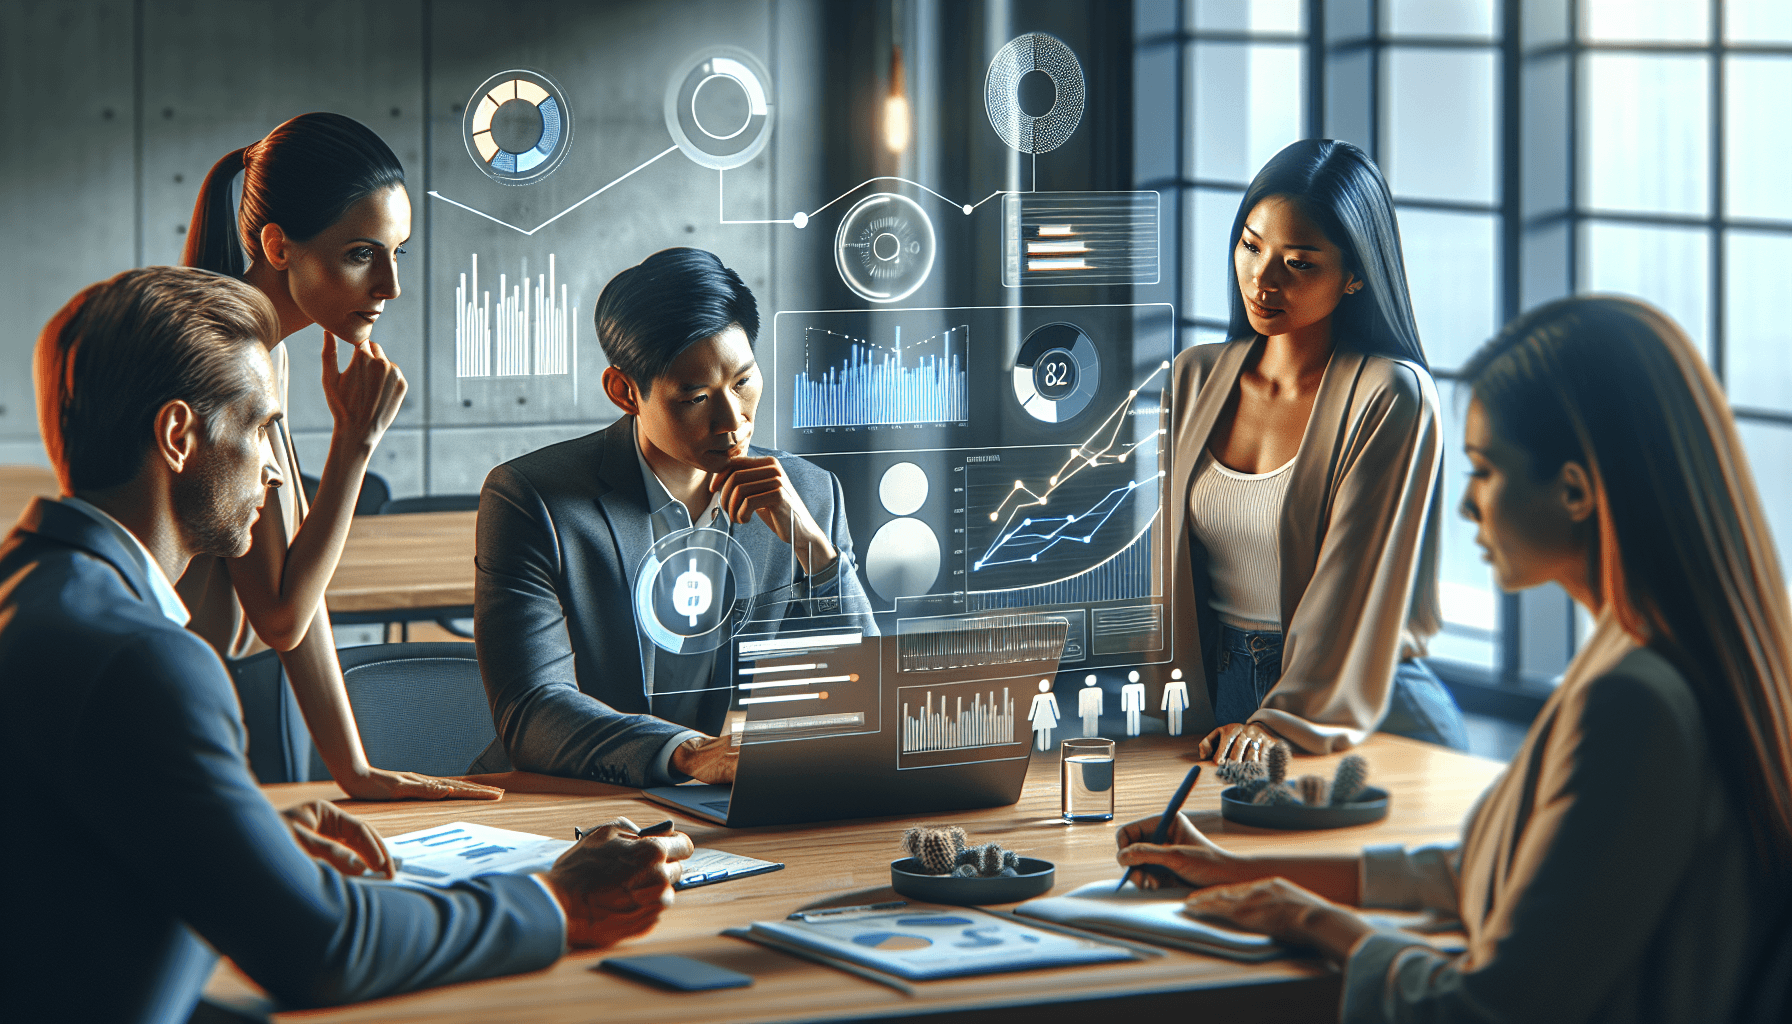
{"x":1535,"y":148}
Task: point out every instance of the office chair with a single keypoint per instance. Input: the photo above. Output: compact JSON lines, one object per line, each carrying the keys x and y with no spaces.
{"x":420,"y":708}
{"x":375,"y":492}
{"x":437,"y":503}
{"x":279,"y":744}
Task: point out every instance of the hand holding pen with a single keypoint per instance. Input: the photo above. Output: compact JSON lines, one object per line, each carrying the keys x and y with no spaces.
{"x":1175,"y":846}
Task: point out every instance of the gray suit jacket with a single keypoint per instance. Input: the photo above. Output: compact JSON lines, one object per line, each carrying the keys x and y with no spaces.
{"x":562,"y":532}
{"x":151,"y":834}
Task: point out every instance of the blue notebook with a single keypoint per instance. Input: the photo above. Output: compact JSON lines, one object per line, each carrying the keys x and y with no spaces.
{"x":922,"y":945}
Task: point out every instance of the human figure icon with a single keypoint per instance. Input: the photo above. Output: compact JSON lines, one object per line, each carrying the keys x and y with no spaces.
{"x":1132,"y":701}
{"x":1088,"y":704}
{"x":1044,"y":714}
{"x":1175,"y":700}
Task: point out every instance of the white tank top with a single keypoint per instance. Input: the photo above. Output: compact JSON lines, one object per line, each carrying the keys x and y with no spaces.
{"x":1237,"y":517}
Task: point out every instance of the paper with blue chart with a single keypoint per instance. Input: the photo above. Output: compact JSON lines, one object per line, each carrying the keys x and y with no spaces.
{"x":922,"y":945}
{"x":460,"y":850}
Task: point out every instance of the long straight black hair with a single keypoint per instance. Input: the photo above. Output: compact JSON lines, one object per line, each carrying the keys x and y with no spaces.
{"x":1341,"y":190}
{"x":303,"y":177}
{"x":1686,"y":558}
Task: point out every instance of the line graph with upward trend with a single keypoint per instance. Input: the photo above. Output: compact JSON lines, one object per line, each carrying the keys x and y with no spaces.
{"x":1065,"y":514}
{"x":854,"y":382}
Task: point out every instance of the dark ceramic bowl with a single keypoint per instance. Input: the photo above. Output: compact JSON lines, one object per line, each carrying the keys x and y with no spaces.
{"x":1036,"y":877}
{"x":1371,"y":806}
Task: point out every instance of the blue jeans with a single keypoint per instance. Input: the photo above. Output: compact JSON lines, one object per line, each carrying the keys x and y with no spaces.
{"x":1248,"y":664}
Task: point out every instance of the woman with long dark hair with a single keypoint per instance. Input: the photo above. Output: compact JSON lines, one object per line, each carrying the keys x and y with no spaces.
{"x":1631,"y":863}
{"x":1304,"y":557}
{"x":322,"y":221}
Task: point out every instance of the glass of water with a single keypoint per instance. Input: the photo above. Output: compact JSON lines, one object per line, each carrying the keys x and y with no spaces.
{"x":1087,"y":776}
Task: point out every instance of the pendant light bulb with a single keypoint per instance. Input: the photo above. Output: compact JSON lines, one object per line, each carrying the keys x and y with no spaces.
{"x":896,"y":112}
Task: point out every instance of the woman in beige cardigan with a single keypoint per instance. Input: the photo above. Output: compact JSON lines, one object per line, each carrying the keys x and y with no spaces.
{"x":1632,"y":862}
{"x":1306,"y":456}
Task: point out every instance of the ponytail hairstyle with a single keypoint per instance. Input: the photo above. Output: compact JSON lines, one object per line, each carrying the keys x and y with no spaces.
{"x":303,"y":177}
{"x":1340,"y":189}
{"x":1686,"y":561}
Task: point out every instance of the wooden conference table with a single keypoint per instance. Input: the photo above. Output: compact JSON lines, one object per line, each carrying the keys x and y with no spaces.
{"x":847,"y":863}
{"x":419,"y":564}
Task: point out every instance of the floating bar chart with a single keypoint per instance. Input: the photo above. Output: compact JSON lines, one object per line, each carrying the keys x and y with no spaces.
{"x":530,"y":333}
{"x":984,"y":723}
{"x":872,"y":384}
{"x":1079,"y":238}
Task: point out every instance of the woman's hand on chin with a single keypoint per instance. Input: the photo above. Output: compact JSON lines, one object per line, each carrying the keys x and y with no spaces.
{"x":364,"y":396}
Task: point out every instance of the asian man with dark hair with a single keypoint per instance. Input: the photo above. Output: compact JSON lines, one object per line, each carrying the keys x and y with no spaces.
{"x":563,"y":532}
{"x":155,"y":397}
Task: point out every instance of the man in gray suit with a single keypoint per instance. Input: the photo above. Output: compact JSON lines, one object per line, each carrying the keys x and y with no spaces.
{"x":155,"y":847}
{"x":575,"y":689}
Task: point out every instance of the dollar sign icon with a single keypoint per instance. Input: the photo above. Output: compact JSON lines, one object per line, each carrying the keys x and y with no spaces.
{"x":691,"y":593}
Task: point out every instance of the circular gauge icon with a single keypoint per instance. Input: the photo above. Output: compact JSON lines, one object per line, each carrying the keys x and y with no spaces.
{"x":1034,"y":93}
{"x":719,"y":107}
{"x":693,"y":591}
{"x":517,"y":127}
{"x":1056,"y":373}
{"x":884,"y":248}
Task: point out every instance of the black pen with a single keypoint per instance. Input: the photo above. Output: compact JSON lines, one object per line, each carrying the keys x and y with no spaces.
{"x":1163,"y":823}
{"x":661,"y":829}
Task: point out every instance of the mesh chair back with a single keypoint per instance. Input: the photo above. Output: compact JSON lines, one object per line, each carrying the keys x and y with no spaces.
{"x":279,"y":744}
{"x":420,"y":707}
{"x":432,"y":503}
{"x":375,"y":492}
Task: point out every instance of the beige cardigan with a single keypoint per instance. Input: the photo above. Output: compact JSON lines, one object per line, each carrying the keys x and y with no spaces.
{"x":1606,"y":876}
{"x":1352,"y":535}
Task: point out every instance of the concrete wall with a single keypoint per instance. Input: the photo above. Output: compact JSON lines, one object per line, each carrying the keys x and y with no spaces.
{"x":116,"y":110}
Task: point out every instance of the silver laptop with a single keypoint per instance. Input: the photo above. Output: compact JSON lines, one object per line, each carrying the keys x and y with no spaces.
{"x":838,"y":724}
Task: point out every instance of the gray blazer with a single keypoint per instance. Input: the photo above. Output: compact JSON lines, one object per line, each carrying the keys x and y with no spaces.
{"x":562,"y":532}
{"x":158,"y":835}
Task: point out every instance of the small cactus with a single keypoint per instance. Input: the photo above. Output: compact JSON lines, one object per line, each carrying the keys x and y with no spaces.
{"x":944,"y":851}
{"x":1276,"y":794}
{"x":936,"y":848}
{"x":1239,"y":773}
{"x":1314,"y":790}
{"x":1249,"y":790}
{"x":1353,"y":775}
{"x":1278,"y":762}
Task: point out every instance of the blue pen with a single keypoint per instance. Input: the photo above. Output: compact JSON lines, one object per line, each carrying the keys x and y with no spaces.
{"x":1163,"y":829}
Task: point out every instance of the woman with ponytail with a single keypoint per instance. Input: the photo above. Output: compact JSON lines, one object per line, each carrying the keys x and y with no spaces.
{"x":321,"y":223}
{"x":1631,"y":864}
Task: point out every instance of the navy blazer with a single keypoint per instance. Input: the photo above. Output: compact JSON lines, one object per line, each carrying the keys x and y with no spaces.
{"x":562,"y":532}
{"x":141,"y":830}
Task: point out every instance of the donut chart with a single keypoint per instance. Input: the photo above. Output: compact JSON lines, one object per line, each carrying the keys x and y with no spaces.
{"x":1007,"y":91}
{"x":1057,"y":373}
{"x":719,"y":107}
{"x":884,"y":248}
{"x":693,"y":591}
{"x":517,"y":127}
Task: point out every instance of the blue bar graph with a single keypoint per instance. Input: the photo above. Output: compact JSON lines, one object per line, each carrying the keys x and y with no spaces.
{"x":875,"y":384}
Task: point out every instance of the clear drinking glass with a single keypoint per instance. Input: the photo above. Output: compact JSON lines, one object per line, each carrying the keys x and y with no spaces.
{"x":1087,"y":777}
